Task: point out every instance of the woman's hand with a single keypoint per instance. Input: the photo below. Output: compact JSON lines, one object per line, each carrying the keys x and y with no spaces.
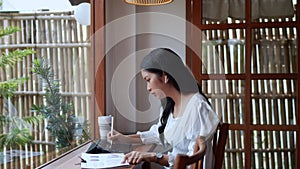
{"x":136,"y":157}
{"x":117,"y":137}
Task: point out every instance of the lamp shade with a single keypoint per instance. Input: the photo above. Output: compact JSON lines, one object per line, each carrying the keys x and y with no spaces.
{"x":77,"y":2}
{"x":148,"y":2}
{"x":82,"y":13}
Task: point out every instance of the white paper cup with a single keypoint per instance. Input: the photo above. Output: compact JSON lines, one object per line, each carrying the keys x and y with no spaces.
{"x":104,"y":123}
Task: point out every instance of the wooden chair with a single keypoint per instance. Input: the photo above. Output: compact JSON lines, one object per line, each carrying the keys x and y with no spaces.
{"x":219,"y":143}
{"x":195,"y":160}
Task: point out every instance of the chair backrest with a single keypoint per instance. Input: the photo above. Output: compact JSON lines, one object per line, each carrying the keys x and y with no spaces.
{"x":219,"y":144}
{"x":195,"y":160}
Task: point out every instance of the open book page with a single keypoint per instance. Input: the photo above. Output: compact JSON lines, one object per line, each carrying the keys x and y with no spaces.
{"x":105,"y":160}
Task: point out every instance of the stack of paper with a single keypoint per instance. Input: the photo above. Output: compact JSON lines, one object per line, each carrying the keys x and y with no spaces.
{"x":105,"y":160}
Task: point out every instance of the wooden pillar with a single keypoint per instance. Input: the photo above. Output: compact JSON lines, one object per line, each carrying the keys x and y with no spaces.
{"x":298,"y":87}
{"x":97,"y":61}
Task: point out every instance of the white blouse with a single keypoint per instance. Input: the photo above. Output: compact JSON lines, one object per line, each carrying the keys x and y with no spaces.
{"x":198,"y":119}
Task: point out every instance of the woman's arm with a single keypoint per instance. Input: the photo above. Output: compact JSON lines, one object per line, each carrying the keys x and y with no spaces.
{"x":134,"y":138}
{"x":145,"y":137}
{"x":118,"y":137}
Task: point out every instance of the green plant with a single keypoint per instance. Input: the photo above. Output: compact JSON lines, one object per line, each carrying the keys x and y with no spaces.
{"x":59,"y":113}
{"x":16,"y":129}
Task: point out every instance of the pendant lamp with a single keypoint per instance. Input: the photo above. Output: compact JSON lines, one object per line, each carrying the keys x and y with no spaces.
{"x":148,"y":2}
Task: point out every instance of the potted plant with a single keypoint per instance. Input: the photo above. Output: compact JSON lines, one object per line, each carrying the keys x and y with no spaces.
{"x":62,"y":123}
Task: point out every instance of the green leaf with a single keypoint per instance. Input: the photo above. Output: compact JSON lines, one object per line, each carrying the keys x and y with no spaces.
{"x":12,"y":57}
{"x":7,"y":88}
{"x":8,"y":30}
{"x":4,"y":120}
{"x":33,"y":120}
{"x":17,"y":137}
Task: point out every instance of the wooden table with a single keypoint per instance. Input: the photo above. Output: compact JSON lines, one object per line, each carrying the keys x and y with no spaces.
{"x":71,"y":160}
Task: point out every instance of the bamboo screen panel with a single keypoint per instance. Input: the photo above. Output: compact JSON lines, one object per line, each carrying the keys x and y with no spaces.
{"x":57,"y":37}
{"x":223,"y":53}
{"x":272,"y":102}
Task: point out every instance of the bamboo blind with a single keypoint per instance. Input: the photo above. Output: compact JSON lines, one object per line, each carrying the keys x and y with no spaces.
{"x":273,"y":95}
{"x":57,"y":37}
{"x":274,"y":51}
{"x":223,"y":53}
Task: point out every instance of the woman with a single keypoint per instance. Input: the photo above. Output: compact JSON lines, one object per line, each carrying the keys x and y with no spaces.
{"x":186,"y":113}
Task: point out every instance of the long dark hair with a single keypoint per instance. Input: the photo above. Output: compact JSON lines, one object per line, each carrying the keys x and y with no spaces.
{"x":165,"y":61}
{"x":168,"y":103}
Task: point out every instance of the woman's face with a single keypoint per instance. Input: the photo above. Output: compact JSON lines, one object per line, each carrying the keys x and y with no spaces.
{"x":155,"y":84}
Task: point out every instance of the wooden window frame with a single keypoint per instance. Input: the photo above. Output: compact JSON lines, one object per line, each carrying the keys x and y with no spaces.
{"x":97,"y":63}
{"x":98,"y":86}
